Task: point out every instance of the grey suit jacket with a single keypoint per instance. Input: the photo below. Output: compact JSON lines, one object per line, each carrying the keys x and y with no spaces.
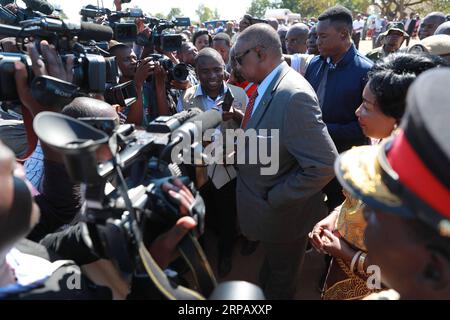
{"x":284,"y":206}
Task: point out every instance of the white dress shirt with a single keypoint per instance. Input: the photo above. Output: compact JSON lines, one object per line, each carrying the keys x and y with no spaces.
{"x":264,"y":85}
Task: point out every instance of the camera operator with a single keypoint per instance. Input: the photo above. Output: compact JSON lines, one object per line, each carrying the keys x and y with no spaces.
{"x":31,"y":271}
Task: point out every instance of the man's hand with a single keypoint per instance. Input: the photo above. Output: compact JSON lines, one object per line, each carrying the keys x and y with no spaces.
{"x":118,"y":5}
{"x":145,"y":69}
{"x":181,"y":85}
{"x":234,"y":114}
{"x":172,"y":57}
{"x":336,"y":247}
{"x":160,"y":75}
{"x":140,"y":25}
{"x":328,"y":224}
{"x":163,"y":249}
{"x":53,"y":66}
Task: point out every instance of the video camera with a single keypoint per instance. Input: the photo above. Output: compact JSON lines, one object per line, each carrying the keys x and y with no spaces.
{"x":125,"y":32}
{"x":166,"y":42}
{"x":93,"y":68}
{"x":254,"y":20}
{"x":34,"y":9}
{"x":121,"y":223}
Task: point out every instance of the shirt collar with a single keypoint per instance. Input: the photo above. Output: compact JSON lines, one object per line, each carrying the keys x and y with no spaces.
{"x":199,"y":90}
{"x":346,"y":59}
{"x":262,"y":87}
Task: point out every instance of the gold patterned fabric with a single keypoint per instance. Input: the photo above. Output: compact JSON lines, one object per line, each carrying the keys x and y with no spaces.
{"x":351,"y":223}
{"x":342,"y":284}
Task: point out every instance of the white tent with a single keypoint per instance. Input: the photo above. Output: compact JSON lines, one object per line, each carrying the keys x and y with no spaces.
{"x":285,"y":15}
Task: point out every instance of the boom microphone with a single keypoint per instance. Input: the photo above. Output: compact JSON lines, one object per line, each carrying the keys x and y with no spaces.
{"x":96,"y":32}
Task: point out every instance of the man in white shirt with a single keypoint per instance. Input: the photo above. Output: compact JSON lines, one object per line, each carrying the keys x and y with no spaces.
{"x":219,"y":191}
{"x":358,"y":27}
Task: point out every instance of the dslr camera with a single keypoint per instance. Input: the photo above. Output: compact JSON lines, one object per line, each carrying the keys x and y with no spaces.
{"x":178,"y":72}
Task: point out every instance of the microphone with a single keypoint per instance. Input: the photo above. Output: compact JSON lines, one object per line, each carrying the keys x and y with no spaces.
{"x":165,"y":124}
{"x":185,"y":115}
{"x":199,"y":124}
{"x":39,"y":5}
{"x":96,"y":32}
{"x":194,"y":127}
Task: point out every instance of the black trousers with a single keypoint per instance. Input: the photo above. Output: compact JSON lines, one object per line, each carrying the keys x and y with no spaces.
{"x":356,"y":39}
{"x":281,"y":267}
{"x":221,"y":213}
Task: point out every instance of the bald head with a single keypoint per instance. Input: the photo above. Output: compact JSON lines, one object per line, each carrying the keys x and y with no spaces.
{"x":296,"y":38}
{"x":84,"y":107}
{"x":262,"y":35}
{"x":258,"y":52}
{"x":430,"y":23}
{"x":443,"y":29}
{"x":298,"y":28}
{"x":273,"y":23}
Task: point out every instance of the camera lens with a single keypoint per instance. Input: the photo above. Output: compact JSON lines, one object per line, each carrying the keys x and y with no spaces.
{"x":180,"y":72}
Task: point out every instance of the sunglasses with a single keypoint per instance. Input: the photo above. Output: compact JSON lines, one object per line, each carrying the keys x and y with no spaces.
{"x":239,"y":58}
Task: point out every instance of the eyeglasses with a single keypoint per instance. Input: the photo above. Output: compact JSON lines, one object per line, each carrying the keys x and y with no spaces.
{"x":239,"y":59}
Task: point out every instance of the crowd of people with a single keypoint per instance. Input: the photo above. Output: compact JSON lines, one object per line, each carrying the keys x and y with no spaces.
{"x":363,"y":149}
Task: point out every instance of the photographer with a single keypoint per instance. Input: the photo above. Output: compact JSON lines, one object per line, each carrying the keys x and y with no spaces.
{"x":141,"y":112}
{"x":187,"y":54}
{"x":30,"y":271}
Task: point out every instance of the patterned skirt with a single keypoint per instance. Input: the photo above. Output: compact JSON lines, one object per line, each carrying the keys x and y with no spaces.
{"x":342,"y":284}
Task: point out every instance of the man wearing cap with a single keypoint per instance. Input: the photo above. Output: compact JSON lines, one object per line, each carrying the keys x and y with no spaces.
{"x":437,"y":45}
{"x":405,"y":184}
{"x":394,"y":37}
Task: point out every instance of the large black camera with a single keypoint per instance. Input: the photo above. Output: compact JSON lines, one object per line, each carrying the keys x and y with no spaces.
{"x":92,"y":70}
{"x":91,"y":74}
{"x":121,"y":222}
{"x":178,"y":72}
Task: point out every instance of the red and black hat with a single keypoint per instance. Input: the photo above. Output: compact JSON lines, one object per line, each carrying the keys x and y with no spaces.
{"x":409,"y":174}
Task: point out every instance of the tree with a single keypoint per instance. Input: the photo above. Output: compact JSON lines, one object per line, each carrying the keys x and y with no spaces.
{"x":395,"y":8}
{"x":216,"y":15}
{"x":205,"y":13}
{"x":441,"y":5}
{"x":160,"y":15}
{"x":174,"y":12}
{"x":258,"y":8}
{"x":305,"y":8}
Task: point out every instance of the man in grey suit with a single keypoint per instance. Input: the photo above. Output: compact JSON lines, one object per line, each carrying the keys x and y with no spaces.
{"x":279,"y":209}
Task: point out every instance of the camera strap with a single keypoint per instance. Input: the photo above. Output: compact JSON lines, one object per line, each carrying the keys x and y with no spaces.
{"x":170,"y":290}
{"x":161,"y":281}
{"x":194,"y":256}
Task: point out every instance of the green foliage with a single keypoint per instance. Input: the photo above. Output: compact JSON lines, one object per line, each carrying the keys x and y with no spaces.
{"x":174,"y":12}
{"x":205,"y":13}
{"x":258,"y":8}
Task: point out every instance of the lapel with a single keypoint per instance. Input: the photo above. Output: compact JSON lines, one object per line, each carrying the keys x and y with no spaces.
{"x":267,"y":97}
